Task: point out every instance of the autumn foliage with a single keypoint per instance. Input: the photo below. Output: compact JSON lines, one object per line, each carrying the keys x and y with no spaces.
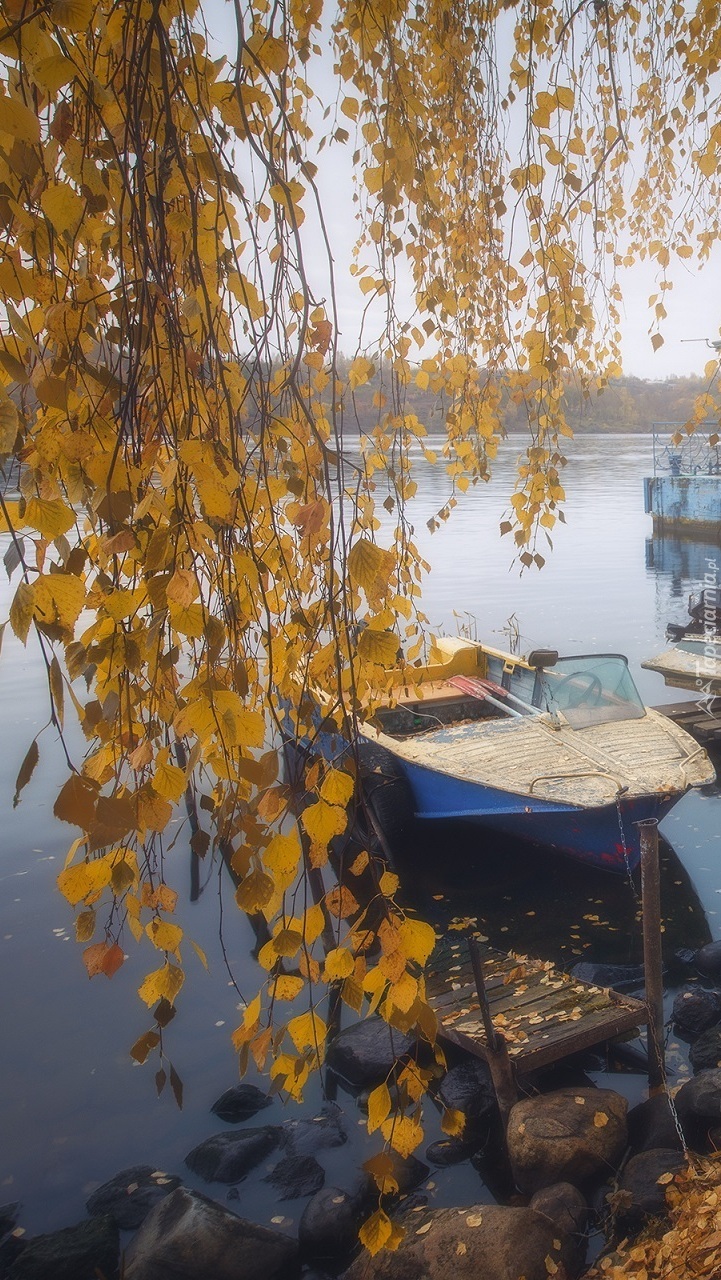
{"x":194,"y":546}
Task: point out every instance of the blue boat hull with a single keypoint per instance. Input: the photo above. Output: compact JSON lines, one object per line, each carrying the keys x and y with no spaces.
{"x":606,"y":837}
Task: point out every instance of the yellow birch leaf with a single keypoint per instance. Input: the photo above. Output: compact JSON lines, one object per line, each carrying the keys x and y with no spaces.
{"x":600,"y":1119}
{"x":365,"y":562}
{"x":163,"y":935}
{"x":565,"y":97}
{"x":380,"y":647}
{"x":282,"y":857}
{"x":388,"y":883}
{"x":308,"y":1031}
{"x":404,"y":1133}
{"x":63,"y":207}
{"x":169,"y":781}
{"x":375,"y":1232}
{"x":85,"y":880}
{"x":337,"y":787}
{"x":286,"y":942}
{"x":453,"y":1122}
{"x":58,"y":598}
{"x":417,"y":939}
{"x":21,"y":610}
{"x":287,"y":987}
{"x":339,"y":963}
{"x":162,"y":984}
{"x":361,"y":370}
{"x":379,"y":1107}
{"x":323,"y":821}
{"x":200,"y":954}
{"x":76,"y":15}
{"x":19,"y":121}
{"x":51,"y":518}
{"x":9,"y":421}
{"x":313,"y":923}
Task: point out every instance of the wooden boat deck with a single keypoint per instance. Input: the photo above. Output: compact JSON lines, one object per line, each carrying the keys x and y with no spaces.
{"x":543,"y":1014}
{"x":532,"y":756}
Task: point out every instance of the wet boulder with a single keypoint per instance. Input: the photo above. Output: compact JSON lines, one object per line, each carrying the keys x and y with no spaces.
{"x":75,"y":1253}
{"x":708,"y":959}
{"x":188,"y":1237}
{"x":489,"y":1241}
{"x":573,"y":1135}
{"x":406,"y":1171}
{"x":695,"y":1010}
{"x":705,"y":1053}
{"x":448,"y":1151}
{"x":651,"y":1125}
{"x":131,"y":1194}
{"x":240,"y":1103}
{"x":296,"y":1176}
{"x":642,"y":1187}
{"x":698,"y":1104}
{"x":564,"y":1205}
{"x":468,"y":1087}
{"x":303,"y":1137}
{"x":366,"y":1052}
{"x":329,"y":1226}
{"x":227,"y":1157}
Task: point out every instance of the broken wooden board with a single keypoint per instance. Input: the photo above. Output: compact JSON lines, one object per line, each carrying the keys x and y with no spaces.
{"x":543,"y":1014}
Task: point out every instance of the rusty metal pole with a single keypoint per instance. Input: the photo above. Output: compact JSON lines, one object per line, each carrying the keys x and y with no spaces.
{"x":653,"y":964}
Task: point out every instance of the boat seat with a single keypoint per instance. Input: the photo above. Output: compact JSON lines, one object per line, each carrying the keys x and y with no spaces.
{"x":477,"y":687}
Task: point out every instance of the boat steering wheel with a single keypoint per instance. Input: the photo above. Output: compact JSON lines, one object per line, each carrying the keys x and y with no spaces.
{"x":590,"y":696}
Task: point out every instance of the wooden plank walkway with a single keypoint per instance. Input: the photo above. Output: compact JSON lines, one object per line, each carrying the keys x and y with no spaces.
{"x":542,"y":1013}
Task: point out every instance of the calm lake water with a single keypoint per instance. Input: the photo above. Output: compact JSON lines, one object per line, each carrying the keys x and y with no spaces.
{"x":75,"y":1109}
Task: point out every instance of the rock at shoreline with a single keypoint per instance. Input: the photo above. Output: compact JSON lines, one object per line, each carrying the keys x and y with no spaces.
{"x":131,"y":1194}
{"x":328,"y":1229}
{"x":564,"y":1205}
{"x":705,"y":1054}
{"x":698,"y":1103}
{"x":75,"y":1253}
{"x":651,"y":1125}
{"x":227,"y":1157}
{"x":296,"y":1176}
{"x":485,"y":1242}
{"x":695,"y":1010}
{"x":188,"y":1237}
{"x":303,"y":1137}
{"x":448,"y":1151}
{"x":708,"y":959}
{"x":640,"y":1195}
{"x":573,"y":1135}
{"x":468,"y":1087}
{"x":242,"y":1102}
{"x":366,"y":1052}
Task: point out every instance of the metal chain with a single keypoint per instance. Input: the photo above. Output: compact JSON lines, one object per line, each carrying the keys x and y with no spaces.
{"x":624,"y":848}
{"x":650,"y":1032}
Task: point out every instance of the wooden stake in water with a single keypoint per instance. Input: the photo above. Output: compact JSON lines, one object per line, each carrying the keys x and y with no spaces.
{"x":653,"y":964}
{"x":496,"y":1050}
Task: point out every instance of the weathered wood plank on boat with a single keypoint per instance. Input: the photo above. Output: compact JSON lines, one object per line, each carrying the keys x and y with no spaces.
{"x":542,"y":1013}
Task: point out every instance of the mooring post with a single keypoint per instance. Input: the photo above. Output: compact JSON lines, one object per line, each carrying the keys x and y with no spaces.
{"x":498,"y":1060}
{"x":653,"y":964}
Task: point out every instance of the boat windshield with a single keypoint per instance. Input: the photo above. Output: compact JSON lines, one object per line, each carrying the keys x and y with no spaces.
{"x":593,"y":689}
